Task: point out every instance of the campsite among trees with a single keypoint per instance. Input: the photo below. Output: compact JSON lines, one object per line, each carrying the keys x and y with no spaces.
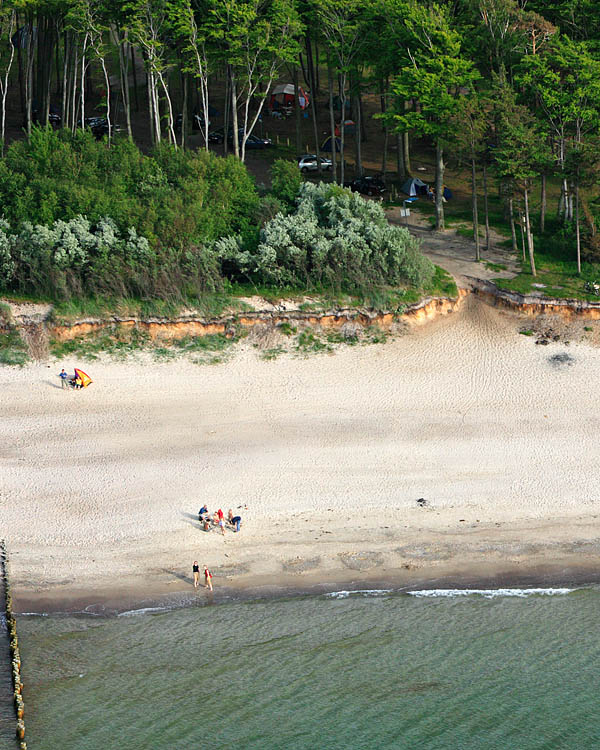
{"x":125,"y":127}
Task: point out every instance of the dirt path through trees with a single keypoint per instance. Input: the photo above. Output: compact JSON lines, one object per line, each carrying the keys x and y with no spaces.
{"x":456,"y":254}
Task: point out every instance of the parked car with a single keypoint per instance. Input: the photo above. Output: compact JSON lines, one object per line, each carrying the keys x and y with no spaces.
{"x":54,"y":119}
{"x":368,"y":185}
{"x":215,"y":136}
{"x":308,"y":163}
{"x":99,"y":126}
{"x":253,"y":141}
{"x":196,"y":119}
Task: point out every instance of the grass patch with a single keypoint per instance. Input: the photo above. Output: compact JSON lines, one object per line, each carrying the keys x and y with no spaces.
{"x":308,"y":342}
{"x":495,"y":266}
{"x":273,"y":353}
{"x":5,"y":313}
{"x":13,"y":350}
{"x":287,"y":329}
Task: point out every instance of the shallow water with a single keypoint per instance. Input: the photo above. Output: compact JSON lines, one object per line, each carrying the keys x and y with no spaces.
{"x":375,"y":669}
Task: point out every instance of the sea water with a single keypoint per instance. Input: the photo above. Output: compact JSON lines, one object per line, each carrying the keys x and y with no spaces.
{"x":499,"y":669}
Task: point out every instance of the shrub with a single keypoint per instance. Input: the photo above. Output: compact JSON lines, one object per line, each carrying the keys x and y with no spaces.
{"x":285,"y":181}
{"x":334,"y":239}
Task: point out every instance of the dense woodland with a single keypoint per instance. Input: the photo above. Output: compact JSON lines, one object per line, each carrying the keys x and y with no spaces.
{"x":510,"y":87}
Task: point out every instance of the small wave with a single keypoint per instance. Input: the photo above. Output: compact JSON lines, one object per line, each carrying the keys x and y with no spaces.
{"x":142,"y":611}
{"x":489,"y":593}
{"x":359,"y":592}
{"x":32,"y":614}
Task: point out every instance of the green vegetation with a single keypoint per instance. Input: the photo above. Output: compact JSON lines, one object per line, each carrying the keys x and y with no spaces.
{"x":12,"y":349}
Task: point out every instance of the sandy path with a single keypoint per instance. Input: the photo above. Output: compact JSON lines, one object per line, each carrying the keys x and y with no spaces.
{"x":463,"y":412}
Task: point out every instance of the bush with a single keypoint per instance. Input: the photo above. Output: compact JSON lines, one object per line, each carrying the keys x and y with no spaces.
{"x":82,"y":218}
{"x":334,"y":239}
{"x":285,"y":181}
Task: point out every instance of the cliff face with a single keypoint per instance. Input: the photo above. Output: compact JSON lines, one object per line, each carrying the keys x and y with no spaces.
{"x":417,"y":314}
{"x":171,"y":330}
{"x":533,"y":305}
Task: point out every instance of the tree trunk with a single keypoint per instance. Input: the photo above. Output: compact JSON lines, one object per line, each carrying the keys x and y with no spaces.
{"x":313,"y":100}
{"x":135,"y":82}
{"x":342,"y":127}
{"x":528,"y":232}
{"x":234,"y":117}
{"x":488,"y":244}
{"x":227,"y":109}
{"x":333,"y":142}
{"x":184,"y":111}
{"x":475,"y":211}
{"x":577,"y":229}
{"x":439,"y":187}
{"x":543,"y":205}
{"x":400,"y":160}
{"x":406,"y":147}
{"x":358,"y":130}
{"x":297,"y":112}
{"x":513,"y":232}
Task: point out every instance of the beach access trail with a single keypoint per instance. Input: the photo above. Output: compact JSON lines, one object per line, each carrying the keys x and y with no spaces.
{"x":330,"y":454}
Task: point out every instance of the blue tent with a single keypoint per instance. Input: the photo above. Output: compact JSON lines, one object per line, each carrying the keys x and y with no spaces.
{"x":326,"y":146}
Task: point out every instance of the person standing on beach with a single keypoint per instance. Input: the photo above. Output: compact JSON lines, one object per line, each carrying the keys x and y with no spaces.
{"x":196,"y":572}
{"x":236,"y":521}
{"x":64,"y":380}
{"x":207,"y":579}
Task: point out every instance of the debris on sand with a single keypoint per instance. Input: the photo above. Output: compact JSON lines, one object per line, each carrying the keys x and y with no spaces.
{"x":561,"y":360}
{"x":421,"y":502}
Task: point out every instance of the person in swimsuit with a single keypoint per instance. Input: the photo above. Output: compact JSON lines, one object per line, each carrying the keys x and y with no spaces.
{"x":196,"y":572}
{"x":222,"y":525}
{"x":207,"y":579}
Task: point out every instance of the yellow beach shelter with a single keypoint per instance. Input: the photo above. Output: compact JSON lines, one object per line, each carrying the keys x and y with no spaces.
{"x":85,"y":379}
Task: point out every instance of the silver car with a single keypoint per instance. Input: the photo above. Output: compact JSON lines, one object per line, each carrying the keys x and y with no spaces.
{"x":308,"y":163}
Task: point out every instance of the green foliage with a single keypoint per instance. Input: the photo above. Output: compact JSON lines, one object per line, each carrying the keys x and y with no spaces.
{"x":285,"y":181}
{"x":333,"y":240}
{"x":83,"y":219}
{"x":12,"y":349}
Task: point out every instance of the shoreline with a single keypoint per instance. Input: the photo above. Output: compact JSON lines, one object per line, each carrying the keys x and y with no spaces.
{"x":123,"y":601}
{"x":549,"y":553}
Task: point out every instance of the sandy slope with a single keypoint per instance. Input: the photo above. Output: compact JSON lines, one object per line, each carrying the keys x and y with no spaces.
{"x":329,"y":453}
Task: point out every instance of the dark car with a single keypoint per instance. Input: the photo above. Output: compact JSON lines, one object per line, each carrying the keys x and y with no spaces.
{"x":196,"y":119}
{"x":253,"y":141}
{"x":99,"y":126}
{"x":54,"y":119}
{"x":368,"y":186}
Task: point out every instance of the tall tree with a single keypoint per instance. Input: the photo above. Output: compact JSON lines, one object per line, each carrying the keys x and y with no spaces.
{"x":257,"y":38}
{"x":343,"y":26}
{"x":435,"y":79}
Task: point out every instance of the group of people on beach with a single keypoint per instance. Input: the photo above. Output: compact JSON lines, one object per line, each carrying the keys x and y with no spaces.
{"x":217,"y":520}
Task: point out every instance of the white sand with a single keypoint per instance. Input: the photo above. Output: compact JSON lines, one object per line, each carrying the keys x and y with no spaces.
{"x":464,"y":412}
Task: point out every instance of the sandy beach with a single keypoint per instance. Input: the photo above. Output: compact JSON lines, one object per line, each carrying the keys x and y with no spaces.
{"x":324,"y":457}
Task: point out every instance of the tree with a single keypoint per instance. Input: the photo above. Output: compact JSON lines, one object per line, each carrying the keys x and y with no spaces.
{"x":565,"y":81}
{"x":257,"y":37}
{"x":343,"y":26}
{"x":194,"y":39}
{"x":436,"y":78}
{"x":468,"y":127}
{"x":521,"y":146}
{"x":8,"y":26}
